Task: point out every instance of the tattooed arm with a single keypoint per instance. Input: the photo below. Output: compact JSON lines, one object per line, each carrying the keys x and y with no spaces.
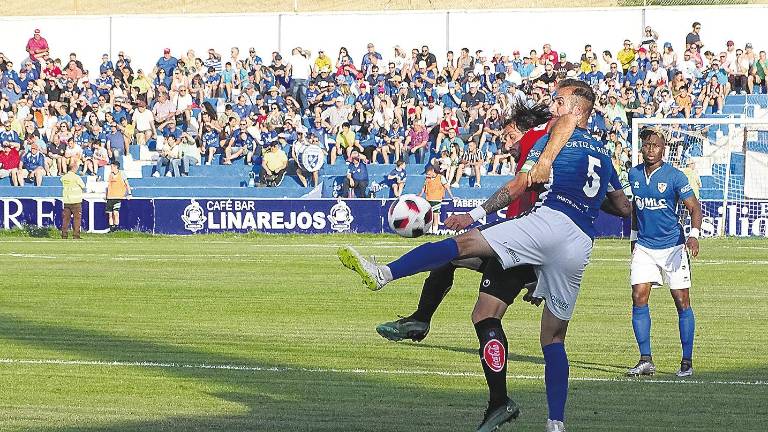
{"x":499,"y":200}
{"x":505,"y":195}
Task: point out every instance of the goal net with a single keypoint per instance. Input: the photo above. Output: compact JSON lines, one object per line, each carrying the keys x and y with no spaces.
{"x":726,"y":161}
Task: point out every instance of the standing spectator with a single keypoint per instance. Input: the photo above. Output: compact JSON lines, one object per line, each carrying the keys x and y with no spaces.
{"x":356,"y":181}
{"x":435,"y":186}
{"x":371,"y":58}
{"x":548,"y":55}
{"x":758,"y":75}
{"x":167,"y":63}
{"x":693,"y":37}
{"x":626,"y":56}
{"x":273,"y":165}
{"x":117,"y":189}
{"x":300,"y":71}
{"x":396,"y":178}
{"x":72,"y":199}
{"x":649,"y":37}
{"x":37,"y":47}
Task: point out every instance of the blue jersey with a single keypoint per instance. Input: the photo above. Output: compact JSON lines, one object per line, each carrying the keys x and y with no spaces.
{"x":31,"y":162}
{"x":582,"y":174}
{"x":656,"y":198}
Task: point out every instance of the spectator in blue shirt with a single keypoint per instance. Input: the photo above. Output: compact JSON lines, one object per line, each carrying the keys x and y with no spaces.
{"x":106,"y":64}
{"x":370,"y":58}
{"x":166,"y":62}
{"x":356,"y":181}
{"x":634,"y":75}
{"x":33,"y":165}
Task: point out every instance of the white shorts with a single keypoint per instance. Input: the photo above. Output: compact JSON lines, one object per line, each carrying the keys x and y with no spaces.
{"x":557,"y":248}
{"x":4,"y":173}
{"x":660,"y":266}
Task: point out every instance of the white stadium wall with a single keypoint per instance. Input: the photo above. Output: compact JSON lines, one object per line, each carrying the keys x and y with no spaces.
{"x":143,"y":37}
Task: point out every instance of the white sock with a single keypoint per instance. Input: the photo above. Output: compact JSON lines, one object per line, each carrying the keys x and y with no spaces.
{"x":386,"y":272}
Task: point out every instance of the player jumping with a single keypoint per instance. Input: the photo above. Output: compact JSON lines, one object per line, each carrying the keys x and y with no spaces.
{"x":556,"y":237}
{"x":659,"y":247}
{"x":524,"y":125}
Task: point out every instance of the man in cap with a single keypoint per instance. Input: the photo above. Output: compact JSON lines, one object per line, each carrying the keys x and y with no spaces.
{"x":37,"y":47}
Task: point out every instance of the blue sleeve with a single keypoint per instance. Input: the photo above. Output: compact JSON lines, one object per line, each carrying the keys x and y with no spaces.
{"x":683,"y":187}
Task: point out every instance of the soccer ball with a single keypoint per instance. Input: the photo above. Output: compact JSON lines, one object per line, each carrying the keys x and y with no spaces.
{"x":410,"y":216}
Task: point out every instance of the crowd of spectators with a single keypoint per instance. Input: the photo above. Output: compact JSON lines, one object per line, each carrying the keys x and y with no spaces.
{"x":381,"y":107}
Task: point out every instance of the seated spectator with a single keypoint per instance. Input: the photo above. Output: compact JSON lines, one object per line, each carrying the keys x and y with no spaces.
{"x":9,"y":164}
{"x":241,"y":144}
{"x":471,"y":162}
{"x":32,"y":166}
{"x":304,"y":143}
{"x":189,"y":153}
{"x":356,"y":181}
{"x":273,"y":165}
{"x":396,"y":178}
{"x":168,"y":159}
{"x":345,"y":143}
{"x":73,"y":155}
{"x":417,"y":140}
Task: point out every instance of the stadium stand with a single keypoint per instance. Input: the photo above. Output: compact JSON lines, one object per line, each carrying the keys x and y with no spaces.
{"x":238,"y":105}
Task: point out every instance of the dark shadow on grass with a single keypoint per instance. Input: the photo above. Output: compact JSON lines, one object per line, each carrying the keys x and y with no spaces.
{"x":292,"y":400}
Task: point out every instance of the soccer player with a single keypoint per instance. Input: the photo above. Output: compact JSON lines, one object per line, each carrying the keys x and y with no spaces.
{"x":524,"y":124}
{"x":659,"y":247}
{"x":582,"y":177}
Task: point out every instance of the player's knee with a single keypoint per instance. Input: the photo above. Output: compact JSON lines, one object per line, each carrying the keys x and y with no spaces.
{"x":639,"y":296}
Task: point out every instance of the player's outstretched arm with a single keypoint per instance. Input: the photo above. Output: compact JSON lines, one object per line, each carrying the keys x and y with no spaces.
{"x":617,"y":204}
{"x":694,"y":209}
{"x":559,"y":133}
{"x":500,"y":199}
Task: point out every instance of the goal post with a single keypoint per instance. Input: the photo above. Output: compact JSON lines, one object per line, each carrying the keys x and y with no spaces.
{"x":726,"y":160}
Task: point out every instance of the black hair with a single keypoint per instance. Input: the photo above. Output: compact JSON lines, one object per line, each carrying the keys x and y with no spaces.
{"x":648,"y":131}
{"x":525,"y":116}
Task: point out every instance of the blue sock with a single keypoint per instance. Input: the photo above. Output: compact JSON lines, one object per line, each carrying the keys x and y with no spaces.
{"x":556,"y":379}
{"x":687,"y":324}
{"x":428,"y":256}
{"x":641,"y":324}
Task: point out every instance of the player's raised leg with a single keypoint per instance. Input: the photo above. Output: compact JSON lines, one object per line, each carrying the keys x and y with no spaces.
{"x":426,"y":257}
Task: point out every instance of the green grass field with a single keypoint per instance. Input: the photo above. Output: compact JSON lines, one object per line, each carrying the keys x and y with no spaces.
{"x":268,"y":333}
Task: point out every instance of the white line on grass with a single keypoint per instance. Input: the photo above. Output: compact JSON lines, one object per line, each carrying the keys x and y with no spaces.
{"x":148,"y":364}
{"x":21,"y":255}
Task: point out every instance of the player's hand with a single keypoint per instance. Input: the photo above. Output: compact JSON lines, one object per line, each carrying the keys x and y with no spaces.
{"x":693,"y":246}
{"x":528,"y":296}
{"x":539,"y":173}
{"x":458,"y":222}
